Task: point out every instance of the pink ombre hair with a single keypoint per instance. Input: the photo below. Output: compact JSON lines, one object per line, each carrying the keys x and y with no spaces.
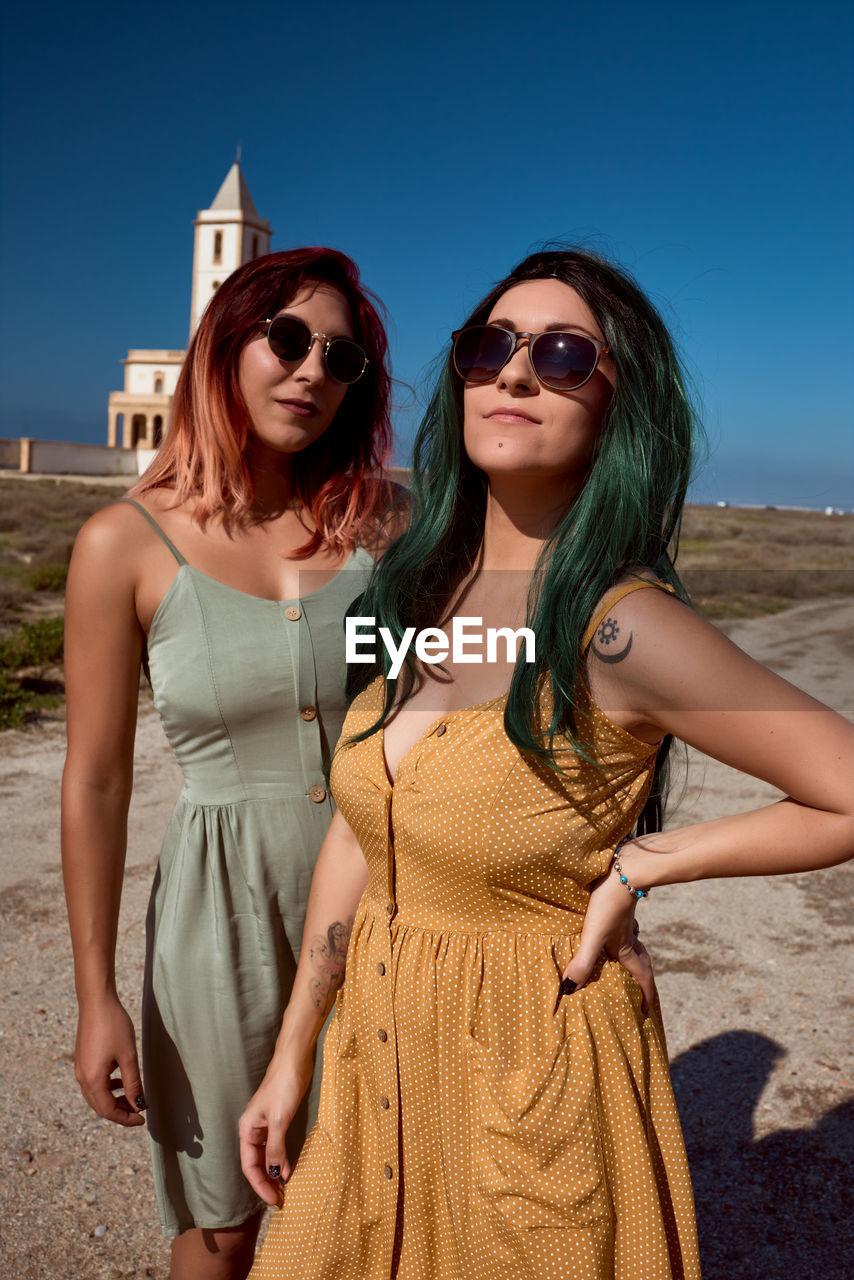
{"x":338,"y":478}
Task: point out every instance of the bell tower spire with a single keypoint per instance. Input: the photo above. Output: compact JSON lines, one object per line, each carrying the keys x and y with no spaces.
{"x":228,"y":234}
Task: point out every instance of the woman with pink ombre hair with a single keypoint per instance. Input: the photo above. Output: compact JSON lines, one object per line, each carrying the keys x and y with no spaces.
{"x":225,"y":574}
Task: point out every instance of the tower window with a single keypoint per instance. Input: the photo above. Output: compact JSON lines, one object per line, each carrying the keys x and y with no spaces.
{"x":158,"y":384}
{"x":215,"y":286}
{"x":217,"y":247}
{"x":254,"y":246}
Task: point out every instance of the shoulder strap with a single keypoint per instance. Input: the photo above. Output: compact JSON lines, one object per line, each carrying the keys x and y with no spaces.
{"x":614,"y":597}
{"x":156,"y":527}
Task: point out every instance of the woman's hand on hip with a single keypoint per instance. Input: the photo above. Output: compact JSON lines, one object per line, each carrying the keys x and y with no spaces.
{"x":264,"y":1125}
{"x":610,"y":926}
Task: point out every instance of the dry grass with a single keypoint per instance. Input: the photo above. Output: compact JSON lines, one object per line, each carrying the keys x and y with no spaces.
{"x":738,"y":562}
{"x":735,"y":562}
{"x":39,"y":520}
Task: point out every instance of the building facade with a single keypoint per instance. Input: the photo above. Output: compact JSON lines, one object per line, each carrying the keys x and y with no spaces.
{"x":228,"y":234}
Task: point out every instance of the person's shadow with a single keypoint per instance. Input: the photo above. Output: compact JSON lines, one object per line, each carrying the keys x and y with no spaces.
{"x":774,"y":1208}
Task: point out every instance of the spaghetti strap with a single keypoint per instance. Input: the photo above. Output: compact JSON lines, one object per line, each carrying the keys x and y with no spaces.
{"x":614,"y":597}
{"x":156,"y":527}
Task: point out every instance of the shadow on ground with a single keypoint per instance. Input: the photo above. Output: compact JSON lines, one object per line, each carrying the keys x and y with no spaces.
{"x":773,"y":1208}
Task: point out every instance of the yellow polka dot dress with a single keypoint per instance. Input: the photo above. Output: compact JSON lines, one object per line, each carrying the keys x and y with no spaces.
{"x":467,"y":1131}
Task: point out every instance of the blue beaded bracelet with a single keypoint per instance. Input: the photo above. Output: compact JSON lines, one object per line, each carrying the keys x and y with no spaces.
{"x":636,"y":893}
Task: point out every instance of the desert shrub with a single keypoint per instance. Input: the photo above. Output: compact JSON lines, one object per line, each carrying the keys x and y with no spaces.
{"x":45,"y":640}
{"x":48,"y":577}
{"x":20,"y":703}
{"x":12,"y":705}
{"x":32,"y":644}
{"x":13,"y":598}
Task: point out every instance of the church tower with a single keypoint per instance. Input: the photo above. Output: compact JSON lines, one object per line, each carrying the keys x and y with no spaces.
{"x":228,"y":234}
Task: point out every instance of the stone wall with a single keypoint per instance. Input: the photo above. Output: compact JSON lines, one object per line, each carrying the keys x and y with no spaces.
{"x":57,"y":458}
{"x":10,"y":455}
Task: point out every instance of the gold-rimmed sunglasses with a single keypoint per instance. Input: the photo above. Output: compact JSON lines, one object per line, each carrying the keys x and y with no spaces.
{"x":290,"y":338}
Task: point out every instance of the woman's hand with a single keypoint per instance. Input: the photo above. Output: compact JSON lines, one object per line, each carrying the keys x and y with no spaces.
{"x":265,"y":1123}
{"x":609,"y":924}
{"x":106,"y":1042}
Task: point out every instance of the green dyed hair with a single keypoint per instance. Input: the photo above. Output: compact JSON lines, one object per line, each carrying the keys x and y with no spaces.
{"x":625,"y":518}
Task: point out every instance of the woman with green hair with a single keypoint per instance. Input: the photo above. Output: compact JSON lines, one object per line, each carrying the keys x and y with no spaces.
{"x":496,"y":1101}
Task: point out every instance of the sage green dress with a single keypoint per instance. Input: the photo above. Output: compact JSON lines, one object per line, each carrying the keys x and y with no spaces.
{"x":251,"y":695}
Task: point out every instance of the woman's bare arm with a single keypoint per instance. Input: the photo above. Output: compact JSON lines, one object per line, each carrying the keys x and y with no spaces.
{"x":103,"y":646}
{"x":681,"y":676}
{"x":339,"y":880}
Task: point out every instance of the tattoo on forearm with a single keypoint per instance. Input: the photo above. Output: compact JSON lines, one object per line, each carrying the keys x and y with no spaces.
{"x":607,"y":634}
{"x":328,"y":955}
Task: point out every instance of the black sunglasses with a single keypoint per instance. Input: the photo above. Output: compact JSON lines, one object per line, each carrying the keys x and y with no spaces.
{"x":290,"y":338}
{"x":561,"y":358}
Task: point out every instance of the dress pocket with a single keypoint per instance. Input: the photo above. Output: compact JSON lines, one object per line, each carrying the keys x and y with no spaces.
{"x":537,"y":1155}
{"x":340,"y":1071}
{"x":327,"y":1106}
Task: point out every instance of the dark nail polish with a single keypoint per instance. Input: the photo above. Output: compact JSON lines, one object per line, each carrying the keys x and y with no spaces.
{"x":274,"y":1171}
{"x":566,"y":988}
{"x":139,"y":1102}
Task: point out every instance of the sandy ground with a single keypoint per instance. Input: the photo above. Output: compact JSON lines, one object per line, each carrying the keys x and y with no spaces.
{"x":756,"y":980}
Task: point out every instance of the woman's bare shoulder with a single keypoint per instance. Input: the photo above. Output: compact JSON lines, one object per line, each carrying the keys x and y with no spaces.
{"x":119,"y":532}
{"x":640,"y":607}
{"x":665,"y":654}
{"x":109,"y":527}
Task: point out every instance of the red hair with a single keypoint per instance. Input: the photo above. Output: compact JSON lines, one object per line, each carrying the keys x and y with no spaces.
{"x":203,"y":452}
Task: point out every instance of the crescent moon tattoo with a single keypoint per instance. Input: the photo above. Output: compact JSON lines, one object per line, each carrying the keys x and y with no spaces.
{"x":614,"y":657}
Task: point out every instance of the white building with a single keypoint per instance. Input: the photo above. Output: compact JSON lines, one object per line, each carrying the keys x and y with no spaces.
{"x":228,"y":234}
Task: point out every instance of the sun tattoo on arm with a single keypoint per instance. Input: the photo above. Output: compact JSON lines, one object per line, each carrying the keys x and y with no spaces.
{"x":328,"y":954}
{"x":607,"y":634}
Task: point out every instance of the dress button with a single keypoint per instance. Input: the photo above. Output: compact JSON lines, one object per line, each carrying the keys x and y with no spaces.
{"x":389,"y":1172}
{"x":308,"y":713}
{"x":390,"y":908}
{"x":292,"y":613}
{"x":317,"y":794}
{"x":381,"y":968}
{"x":443,"y":728}
{"x":382,"y":1036}
{"x":384,"y":1103}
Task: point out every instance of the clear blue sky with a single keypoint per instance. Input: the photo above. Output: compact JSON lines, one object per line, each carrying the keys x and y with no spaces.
{"x":706,"y":147}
